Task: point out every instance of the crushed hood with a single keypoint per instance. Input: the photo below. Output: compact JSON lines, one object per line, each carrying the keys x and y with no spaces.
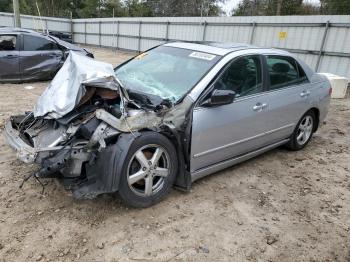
{"x":68,"y":87}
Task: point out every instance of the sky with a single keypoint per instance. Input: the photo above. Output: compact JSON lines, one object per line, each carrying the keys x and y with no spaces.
{"x":230,"y":4}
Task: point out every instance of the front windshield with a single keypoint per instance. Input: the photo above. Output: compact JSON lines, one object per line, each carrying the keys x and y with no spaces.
{"x":166,"y":72}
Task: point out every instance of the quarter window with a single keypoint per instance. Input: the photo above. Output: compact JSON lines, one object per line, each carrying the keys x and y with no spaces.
{"x":284,"y":71}
{"x":243,"y":76}
{"x":7,"y":42}
{"x":34,"y":43}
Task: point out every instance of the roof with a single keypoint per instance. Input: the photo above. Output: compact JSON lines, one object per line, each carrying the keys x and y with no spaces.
{"x":216,"y":48}
{"x":17,"y":30}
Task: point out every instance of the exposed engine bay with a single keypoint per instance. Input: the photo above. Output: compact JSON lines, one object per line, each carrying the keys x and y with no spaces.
{"x":83,"y":124}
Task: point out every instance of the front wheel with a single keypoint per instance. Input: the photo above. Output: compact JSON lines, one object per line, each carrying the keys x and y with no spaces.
{"x":149,"y":170}
{"x":303,"y":132}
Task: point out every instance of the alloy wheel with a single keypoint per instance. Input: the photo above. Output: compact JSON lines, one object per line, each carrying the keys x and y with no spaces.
{"x":147,"y":170}
{"x":305,"y":130}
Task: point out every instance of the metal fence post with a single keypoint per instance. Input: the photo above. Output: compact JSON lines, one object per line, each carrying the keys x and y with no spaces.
{"x":117,"y":47}
{"x":85,"y":32}
{"x":252,"y":33}
{"x":72,"y":26}
{"x":322,"y":47}
{"x":99,"y":33}
{"x":167,"y":31}
{"x":46,"y":25}
{"x":204,"y":30}
{"x":139,"y":39}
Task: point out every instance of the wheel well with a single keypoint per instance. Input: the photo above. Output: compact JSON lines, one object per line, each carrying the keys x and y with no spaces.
{"x":317,"y":115}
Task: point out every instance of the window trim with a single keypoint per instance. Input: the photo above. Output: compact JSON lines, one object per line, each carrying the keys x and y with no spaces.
{"x":18,"y":43}
{"x":298,"y":66}
{"x":210,"y":86}
{"x":49,"y":40}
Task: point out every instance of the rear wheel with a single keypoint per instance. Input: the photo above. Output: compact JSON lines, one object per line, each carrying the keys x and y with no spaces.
{"x":303,"y":132}
{"x":149,"y":170}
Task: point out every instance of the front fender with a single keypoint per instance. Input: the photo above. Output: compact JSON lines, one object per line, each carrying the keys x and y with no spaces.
{"x":103,"y":174}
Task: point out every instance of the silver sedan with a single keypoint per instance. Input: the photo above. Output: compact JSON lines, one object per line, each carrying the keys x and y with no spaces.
{"x":169,"y":116}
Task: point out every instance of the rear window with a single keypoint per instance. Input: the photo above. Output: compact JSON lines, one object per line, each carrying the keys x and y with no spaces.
{"x":34,"y":43}
{"x":284,"y":71}
{"x":7,"y":42}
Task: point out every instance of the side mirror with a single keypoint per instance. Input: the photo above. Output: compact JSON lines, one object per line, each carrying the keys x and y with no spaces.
{"x":220,"y":97}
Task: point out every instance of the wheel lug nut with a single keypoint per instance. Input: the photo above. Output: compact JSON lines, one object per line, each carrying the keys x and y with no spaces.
{"x":144,"y":169}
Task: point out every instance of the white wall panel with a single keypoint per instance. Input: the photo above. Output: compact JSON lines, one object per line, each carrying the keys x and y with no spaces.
{"x":147,"y":44}
{"x":153,"y":30}
{"x":128,"y":43}
{"x":92,"y":39}
{"x":300,"y":34}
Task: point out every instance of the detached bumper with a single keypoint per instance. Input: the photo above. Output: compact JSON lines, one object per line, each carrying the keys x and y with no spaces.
{"x":25,"y":152}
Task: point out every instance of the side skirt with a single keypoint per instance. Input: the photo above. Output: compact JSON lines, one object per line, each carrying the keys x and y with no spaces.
{"x":230,"y":162}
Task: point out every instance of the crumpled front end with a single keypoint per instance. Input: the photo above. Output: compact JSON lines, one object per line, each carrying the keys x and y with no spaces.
{"x":83,"y":125}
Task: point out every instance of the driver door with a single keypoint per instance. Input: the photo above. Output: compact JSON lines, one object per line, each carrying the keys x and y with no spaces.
{"x":227,"y":131}
{"x":40,"y":58}
{"x":9,"y":58}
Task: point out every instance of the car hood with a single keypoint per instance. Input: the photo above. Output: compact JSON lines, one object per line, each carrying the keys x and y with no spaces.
{"x":68,"y":86}
{"x":67,"y":45}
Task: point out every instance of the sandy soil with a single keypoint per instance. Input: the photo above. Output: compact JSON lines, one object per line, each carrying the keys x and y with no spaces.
{"x":282,"y":206}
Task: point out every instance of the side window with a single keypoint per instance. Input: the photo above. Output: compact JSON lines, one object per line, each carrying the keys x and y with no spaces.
{"x":243,"y":76}
{"x":7,"y":42}
{"x":34,"y":43}
{"x":284,"y":71}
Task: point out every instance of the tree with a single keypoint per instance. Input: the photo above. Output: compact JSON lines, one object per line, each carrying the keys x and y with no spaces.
{"x":274,"y":7}
{"x":104,"y":8}
{"x":335,"y":7}
{"x":285,"y":7}
{"x":250,"y":7}
{"x":5,"y":5}
{"x":137,"y":8}
{"x":117,"y":6}
{"x":184,"y":8}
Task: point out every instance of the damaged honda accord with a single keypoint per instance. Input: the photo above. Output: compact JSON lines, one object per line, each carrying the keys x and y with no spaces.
{"x":167,"y":117}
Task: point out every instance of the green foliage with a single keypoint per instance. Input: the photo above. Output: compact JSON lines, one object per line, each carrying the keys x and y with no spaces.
{"x":269,"y":7}
{"x":104,"y":8}
{"x":139,"y":8}
{"x":184,"y":8}
{"x":335,"y":7}
{"x":5,"y":6}
{"x":291,"y":7}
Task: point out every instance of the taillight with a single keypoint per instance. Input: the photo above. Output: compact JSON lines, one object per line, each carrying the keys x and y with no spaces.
{"x":330,"y":91}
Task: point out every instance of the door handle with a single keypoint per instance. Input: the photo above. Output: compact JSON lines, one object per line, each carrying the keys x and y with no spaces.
{"x":11,"y":56}
{"x":305,"y":93}
{"x":259,"y":106}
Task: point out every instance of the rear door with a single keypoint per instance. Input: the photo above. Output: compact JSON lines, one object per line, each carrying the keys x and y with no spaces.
{"x":223,"y":132}
{"x":39,"y":57}
{"x":288,"y":98}
{"x":9,"y":58}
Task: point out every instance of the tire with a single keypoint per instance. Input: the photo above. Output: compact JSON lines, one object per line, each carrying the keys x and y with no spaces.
{"x":303,"y":132}
{"x":149,"y":170}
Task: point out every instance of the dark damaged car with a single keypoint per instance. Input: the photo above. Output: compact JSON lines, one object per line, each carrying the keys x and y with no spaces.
{"x":168,"y":116}
{"x":26,"y":55}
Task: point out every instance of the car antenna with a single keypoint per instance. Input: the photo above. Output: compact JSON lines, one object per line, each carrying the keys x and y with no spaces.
{"x":42,"y":24}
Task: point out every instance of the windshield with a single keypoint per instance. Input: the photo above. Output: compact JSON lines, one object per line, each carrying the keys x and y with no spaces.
{"x":166,"y":72}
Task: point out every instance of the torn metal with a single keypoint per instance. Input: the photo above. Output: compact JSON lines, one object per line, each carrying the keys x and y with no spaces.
{"x":84,"y":123}
{"x":69,"y":85}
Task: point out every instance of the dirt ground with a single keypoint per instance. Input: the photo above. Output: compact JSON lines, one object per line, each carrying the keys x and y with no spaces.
{"x":281,"y":206}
